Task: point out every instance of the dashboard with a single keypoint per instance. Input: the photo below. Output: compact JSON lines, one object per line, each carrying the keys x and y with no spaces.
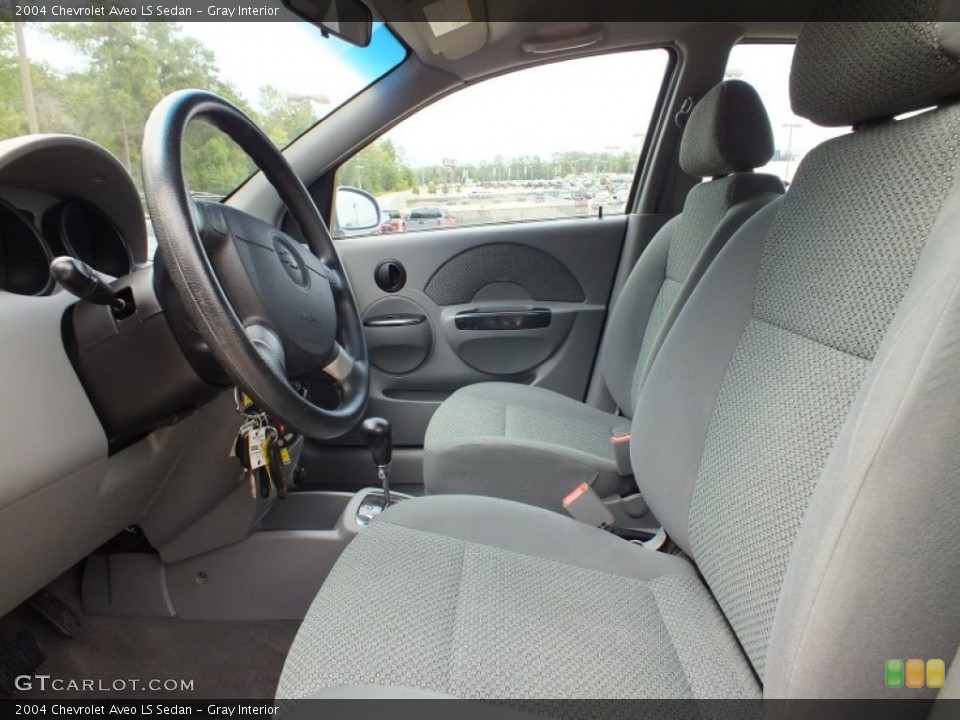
{"x":65,"y":487}
{"x":62,"y":195}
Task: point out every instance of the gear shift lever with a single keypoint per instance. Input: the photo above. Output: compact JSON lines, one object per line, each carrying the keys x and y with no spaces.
{"x":380,"y":439}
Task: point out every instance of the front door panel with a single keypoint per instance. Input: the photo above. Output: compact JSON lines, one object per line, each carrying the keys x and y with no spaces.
{"x":517,"y":303}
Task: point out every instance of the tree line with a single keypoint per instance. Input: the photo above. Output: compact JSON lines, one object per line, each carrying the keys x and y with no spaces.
{"x":126,"y":69}
{"x":533,"y":167}
{"x":381,"y":168}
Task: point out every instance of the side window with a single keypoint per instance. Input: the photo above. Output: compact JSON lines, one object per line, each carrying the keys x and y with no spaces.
{"x":544,"y":143}
{"x":766,"y":66}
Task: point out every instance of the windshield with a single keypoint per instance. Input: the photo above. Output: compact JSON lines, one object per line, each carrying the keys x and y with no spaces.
{"x":100,"y":80}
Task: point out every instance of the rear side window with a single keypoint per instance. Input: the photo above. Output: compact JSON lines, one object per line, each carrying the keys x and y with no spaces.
{"x":766,"y":66}
{"x":551,"y":142}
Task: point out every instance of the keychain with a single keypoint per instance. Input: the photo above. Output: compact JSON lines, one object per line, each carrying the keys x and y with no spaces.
{"x":256,"y":447}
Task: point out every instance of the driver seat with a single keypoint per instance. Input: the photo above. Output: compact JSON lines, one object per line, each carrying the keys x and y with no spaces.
{"x":796,"y":437}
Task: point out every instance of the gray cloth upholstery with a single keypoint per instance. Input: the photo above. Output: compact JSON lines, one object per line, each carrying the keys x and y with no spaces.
{"x":487,"y":613}
{"x":534,"y":446}
{"x":796,"y":434}
{"x":630,"y":317}
{"x":738,"y":442}
{"x":676,"y":403}
{"x":712,"y":213}
{"x":846,"y":73}
{"x":727,"y":132}
{"x":521,"y":443}
{"x":822,"y":307}
{"x":852,"y":587}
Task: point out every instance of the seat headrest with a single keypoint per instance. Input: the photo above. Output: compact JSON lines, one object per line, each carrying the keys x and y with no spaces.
{"x":728,"y":131}
{"x":847,"y":73}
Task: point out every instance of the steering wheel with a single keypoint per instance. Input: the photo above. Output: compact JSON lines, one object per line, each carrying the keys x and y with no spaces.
{"x":270,"y":310}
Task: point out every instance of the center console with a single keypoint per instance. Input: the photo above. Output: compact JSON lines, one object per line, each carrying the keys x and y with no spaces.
{"x":255,"y":559}
{"x":272,"y":573}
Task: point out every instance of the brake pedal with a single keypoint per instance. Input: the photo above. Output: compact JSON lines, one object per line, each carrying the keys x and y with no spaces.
{"x":23,"y":656}
{"x":56,"y":612}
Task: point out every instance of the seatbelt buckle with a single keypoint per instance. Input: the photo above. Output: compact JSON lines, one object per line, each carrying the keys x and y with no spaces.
{"x":621,"y":452}
{"x":585,"y":505}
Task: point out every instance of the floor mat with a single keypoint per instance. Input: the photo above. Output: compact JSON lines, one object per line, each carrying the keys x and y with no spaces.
{"x":122,"y":657}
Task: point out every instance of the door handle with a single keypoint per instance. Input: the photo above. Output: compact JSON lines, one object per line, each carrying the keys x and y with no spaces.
{"x":394,"y":321}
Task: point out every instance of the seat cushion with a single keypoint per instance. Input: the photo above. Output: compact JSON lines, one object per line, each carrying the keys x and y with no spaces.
{"x":482,"y":598}
{"x":520,"y":443}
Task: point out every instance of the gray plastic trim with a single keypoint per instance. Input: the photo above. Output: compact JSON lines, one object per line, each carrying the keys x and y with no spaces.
{"x":399,"y":335}
{"x":272,"y":575}
{"x":588,"y":248}
{"x":83,"y":170}
{"x":125,"y":585}
{"x":540,"y":274}
{"x":512,"y":352}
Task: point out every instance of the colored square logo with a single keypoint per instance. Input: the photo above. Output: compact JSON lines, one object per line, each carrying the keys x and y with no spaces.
{"x":894,"y":673}
{"x":914,"y":674}
{"x":936,"y":673}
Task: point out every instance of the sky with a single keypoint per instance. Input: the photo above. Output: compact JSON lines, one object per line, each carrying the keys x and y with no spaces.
{"x":299,"y":61}
{"x":593,"y":104}
{"x":767,"y":68}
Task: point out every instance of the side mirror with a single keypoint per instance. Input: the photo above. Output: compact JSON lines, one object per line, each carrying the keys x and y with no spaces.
{"x":355,"y":212}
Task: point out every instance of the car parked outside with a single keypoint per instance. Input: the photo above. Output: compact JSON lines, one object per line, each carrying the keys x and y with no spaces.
{"x":429,"y":218}
{"x":391,"y":221}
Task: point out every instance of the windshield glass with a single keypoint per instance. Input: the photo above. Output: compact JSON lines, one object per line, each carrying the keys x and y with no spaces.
{"x":100,"y":80}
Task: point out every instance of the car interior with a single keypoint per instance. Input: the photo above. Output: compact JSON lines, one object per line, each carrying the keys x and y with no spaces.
{"x":703,"y":448}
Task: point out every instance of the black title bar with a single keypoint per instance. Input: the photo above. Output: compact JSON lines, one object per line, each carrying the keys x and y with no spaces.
{"x":514,"y":11}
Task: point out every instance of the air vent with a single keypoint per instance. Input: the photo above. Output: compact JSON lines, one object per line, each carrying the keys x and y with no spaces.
{"x":24,"y":259}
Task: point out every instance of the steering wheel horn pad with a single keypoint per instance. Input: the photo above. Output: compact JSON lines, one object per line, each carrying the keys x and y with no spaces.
{"x":270,"y":309}
{"x":268,"y":280}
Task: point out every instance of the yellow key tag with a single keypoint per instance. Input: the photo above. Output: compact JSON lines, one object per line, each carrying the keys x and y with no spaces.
{"x":269,"y":464}
{"x":285,"y":456}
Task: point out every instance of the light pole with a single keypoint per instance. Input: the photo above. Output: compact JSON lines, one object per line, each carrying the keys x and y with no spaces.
{"x":611,"y":149}
{"x":25,"y":80}
{"x":790,"y":127}
{"x":318,"y":99}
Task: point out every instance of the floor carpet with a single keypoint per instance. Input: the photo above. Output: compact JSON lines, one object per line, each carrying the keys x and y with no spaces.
{"x":223,"y":659}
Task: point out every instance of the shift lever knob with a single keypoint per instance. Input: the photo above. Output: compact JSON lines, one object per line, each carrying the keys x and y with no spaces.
{"x":380,"y":439}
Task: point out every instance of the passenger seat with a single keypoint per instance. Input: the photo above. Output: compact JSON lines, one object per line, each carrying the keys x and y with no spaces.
{"x":533,"y":445}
